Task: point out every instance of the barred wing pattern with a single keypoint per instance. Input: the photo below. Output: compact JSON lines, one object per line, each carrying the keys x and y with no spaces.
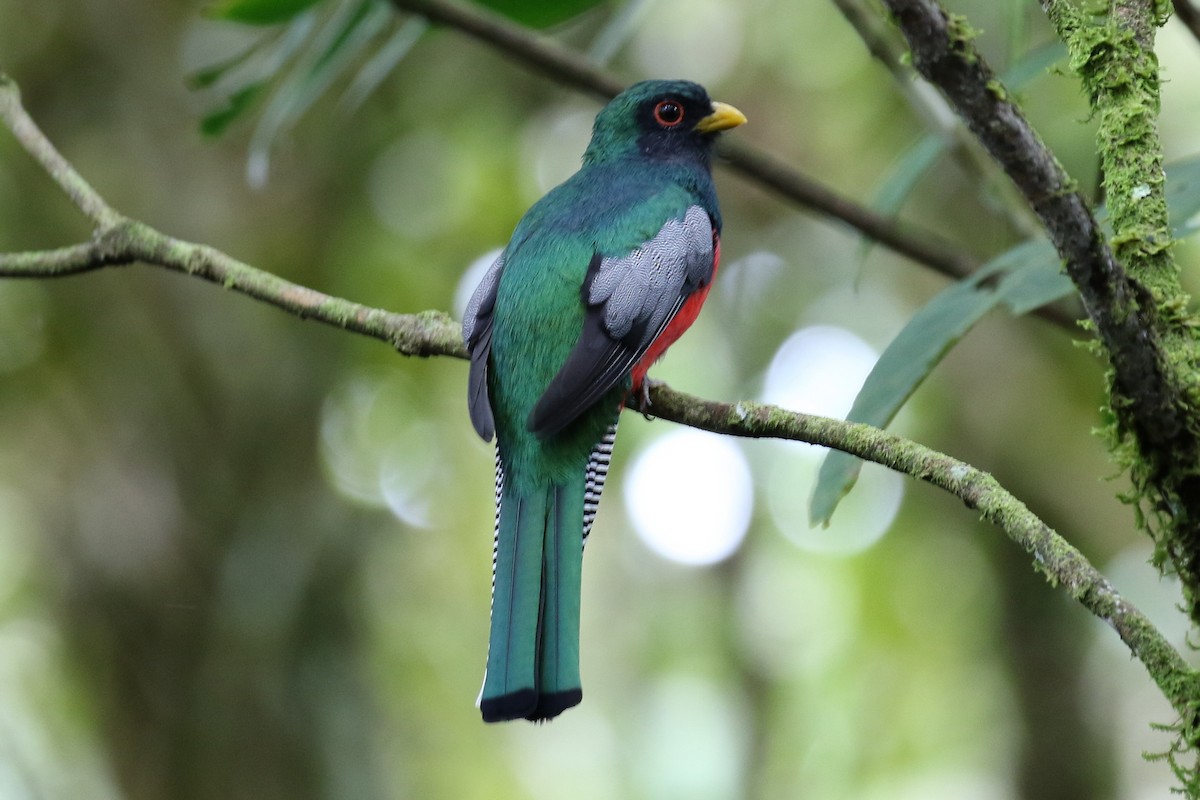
{"x":631,"y":300}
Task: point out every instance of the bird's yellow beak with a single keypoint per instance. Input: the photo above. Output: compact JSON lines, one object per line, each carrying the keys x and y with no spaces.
{"x":722,"y":118}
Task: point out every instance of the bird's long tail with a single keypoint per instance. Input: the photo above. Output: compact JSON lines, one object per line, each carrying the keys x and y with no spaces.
{"x":533,"y":654}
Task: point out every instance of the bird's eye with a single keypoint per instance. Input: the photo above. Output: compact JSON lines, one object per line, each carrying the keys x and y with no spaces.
{"x":668,"y":113}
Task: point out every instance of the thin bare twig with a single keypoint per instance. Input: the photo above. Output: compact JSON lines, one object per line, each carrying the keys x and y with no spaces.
{"x":1186,"y":13}
{"x":26,"y":132}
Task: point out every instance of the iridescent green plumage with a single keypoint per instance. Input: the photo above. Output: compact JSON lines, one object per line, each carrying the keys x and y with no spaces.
{"x":603,"y":271}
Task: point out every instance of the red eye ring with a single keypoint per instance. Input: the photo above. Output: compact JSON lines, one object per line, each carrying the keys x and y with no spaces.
{"x":668,"y":113}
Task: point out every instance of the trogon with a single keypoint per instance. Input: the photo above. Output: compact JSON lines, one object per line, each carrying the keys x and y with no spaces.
{"x":600,"y":277}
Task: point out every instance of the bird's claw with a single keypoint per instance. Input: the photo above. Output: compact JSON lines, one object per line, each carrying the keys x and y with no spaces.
{"x":643,"y":396}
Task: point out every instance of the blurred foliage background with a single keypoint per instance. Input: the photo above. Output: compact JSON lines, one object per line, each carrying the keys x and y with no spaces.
{"x":242,"y":556}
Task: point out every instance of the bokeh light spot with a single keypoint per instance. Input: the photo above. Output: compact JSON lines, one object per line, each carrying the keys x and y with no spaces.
{"x":689,"y":495}
{"x":670,"y":37}
{"x":553,"y":144}
{"x":861,"y":518}
{"x":701,"y":759}
{"x":470,"y":280}
{"x":819,"y":370}
{"x":370,"y":441}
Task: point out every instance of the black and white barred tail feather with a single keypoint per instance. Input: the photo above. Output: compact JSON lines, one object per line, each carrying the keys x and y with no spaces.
{"x":496,"y":527}
{"x":597,"y":473}
{"x":536,"y":703}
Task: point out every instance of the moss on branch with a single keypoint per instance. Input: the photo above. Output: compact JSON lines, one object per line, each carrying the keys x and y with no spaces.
{"x":1113,"y":55}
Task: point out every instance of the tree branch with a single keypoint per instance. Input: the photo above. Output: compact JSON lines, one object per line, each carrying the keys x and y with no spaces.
{"x":14,"y":116}
{"x":1186,"y":13}
{"x":52,"y":263}
{"x":1062,"y":564}
{"x":1137,"y":307}
{"x":119,"y":240}
{"x":1115,"y":60}
{"x":429,"y":333}
{"x":571,"y":69}
{"x":1150,"y":354}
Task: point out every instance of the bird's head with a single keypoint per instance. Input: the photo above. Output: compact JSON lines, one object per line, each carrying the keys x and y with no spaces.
{"x":667,"y":120}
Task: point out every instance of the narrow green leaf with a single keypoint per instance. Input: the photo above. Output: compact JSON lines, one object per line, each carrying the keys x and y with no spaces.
{"x":1183,"y":196}
{"x":258,"y":12}
{"x":1034,"y":65}
{"x":1026,"y":277}
{"x":385,"y":59}
{"x":1022,"y":278}
{"x":911,"y":166}
{"x":208,"y":76}
{"x":908,"y":170}
{"x":901,"y":368}
{"x":255,"y":67}
{"x":330,"y":53}
{"x":540,"y":13}
{"x":1034,"y":286}
{"x":215,"y":123}
{"x":619,"y":29}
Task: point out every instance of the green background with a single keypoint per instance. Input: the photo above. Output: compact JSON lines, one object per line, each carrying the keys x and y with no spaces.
{"x":246,"y":556}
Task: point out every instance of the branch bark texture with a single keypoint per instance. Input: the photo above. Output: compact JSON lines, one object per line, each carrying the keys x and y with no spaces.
{"x":1138,"y":311}
{"x":1115,"y":60}
{"x":1062,"y":564}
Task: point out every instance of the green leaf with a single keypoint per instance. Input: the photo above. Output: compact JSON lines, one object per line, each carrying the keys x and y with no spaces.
{"x":381,"y":64}
{"x":901,"y":368}
{"x":1034,"y":285}
{"x":540,"y":13}
{"x":330,"y":53}
{"x":908,"y":170}
{"x":215,"y":123}
{"x":249,"y":72}
{"x":208,"y":76}
{"x":1183,"y":196}
{"x":258,"y":12}
{"x":1022,"y":278}
{"x":1030,"y":276}
{"x":910,"y":167}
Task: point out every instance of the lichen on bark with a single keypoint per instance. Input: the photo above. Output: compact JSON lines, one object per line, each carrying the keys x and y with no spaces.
{"x":1156,"y":438}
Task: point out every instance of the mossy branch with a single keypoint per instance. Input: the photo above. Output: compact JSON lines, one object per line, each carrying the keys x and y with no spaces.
{"x":119,"y":241}
{"x":1130,"y":287}
{"x":1134,"y":301}
{"x":1053,"y":556}
{"x":1158,"y":430}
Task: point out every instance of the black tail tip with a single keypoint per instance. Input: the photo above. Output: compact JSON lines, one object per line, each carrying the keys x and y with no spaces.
{"x":514,"y":705}
{"x":550,"y":706}
{"x":528,"y":704}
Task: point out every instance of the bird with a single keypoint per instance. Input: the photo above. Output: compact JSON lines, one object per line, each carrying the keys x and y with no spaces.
{"x":601,"y":275}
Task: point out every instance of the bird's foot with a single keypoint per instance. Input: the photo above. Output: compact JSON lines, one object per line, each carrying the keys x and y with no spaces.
{"x":642,"y":393}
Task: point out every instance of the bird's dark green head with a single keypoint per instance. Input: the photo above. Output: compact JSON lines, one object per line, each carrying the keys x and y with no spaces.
{"x":663,"y":120}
